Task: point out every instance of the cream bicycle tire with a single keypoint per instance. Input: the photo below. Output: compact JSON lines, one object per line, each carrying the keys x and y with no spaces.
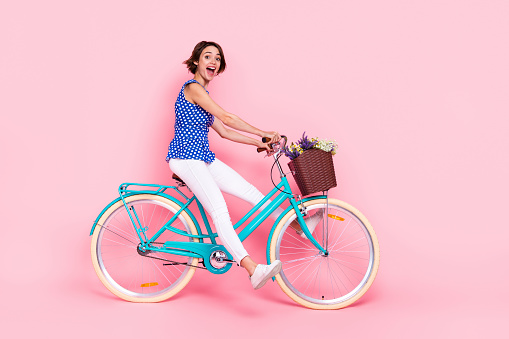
{"x":352,"y":263}
{"x":123,"y":239}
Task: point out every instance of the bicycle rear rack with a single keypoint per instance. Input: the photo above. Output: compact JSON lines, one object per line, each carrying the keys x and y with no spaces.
{"x":124,"y":190}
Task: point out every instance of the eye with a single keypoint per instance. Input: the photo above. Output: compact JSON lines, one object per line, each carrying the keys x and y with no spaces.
{"x":206,"y":56}
{"x":218,"y":59}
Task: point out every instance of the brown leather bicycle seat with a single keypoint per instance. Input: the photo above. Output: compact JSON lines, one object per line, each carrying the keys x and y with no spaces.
{"x":176,"y":177}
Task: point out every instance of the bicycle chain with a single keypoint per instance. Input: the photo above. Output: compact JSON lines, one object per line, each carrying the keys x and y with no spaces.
{"x":175,"y":262}
{"x":147,"y":256}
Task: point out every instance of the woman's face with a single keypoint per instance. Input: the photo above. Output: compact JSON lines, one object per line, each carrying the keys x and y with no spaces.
{"x":209,"y":63}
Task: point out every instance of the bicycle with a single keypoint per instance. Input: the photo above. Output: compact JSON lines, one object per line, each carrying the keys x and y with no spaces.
{"x":148,"y":244}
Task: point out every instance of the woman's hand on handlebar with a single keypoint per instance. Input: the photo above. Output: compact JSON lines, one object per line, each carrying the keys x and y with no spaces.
{"x":264,"y":146}
{"x":272,"y":136}
{"x":268,"y":140}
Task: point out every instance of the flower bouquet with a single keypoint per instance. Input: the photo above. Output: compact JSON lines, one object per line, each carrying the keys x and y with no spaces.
{"x":311,"y":164}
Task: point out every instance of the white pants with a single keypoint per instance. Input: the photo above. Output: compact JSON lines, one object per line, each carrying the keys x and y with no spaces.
{"x":207,"y":181}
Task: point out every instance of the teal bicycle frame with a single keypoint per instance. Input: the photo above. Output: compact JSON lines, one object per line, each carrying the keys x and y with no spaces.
{"x":200,"y":249}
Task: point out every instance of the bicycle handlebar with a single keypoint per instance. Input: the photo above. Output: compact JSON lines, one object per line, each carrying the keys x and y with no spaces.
{"x":266,"y":140}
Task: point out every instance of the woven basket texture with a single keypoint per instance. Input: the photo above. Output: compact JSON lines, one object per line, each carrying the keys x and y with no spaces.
{"x":313,"y":171}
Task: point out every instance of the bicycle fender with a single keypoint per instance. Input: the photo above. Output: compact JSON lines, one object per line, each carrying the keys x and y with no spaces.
{"x":271,"y":234}
{"x":169,"y":197}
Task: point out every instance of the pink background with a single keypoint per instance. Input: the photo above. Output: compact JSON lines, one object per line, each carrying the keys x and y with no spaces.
{"x":415,"y":93}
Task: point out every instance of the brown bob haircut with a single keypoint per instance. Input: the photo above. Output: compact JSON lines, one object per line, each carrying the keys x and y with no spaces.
{"x":195,"y":56}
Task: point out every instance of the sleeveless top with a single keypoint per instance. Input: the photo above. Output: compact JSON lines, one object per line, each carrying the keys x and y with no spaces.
{"x":192,"y":124}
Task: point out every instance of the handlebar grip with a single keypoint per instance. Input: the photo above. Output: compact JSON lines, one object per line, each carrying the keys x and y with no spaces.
{"x":264,"y":140}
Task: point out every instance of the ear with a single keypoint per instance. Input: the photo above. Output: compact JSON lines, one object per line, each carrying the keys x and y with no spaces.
{"x":194,"y":62}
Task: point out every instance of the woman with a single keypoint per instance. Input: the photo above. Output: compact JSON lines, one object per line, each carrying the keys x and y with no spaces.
{"x":190,"y":158}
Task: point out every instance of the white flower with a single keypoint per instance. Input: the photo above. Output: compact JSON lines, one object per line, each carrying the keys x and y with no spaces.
{"x":327,"y":145}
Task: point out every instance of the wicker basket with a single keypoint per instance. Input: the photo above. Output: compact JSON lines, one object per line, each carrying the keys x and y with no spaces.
{"x":313,"y":171}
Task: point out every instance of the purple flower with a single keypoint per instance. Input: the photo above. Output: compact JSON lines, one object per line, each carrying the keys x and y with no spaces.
{"x":305,"y":143}
{"x":291,"y":154}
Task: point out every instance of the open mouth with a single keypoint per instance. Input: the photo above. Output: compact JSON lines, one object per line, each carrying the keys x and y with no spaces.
{"x":211,"y":70}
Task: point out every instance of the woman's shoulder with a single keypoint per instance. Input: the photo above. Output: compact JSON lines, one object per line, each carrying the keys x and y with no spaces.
{"x":189,"y":82}
{"x":195,"y":85}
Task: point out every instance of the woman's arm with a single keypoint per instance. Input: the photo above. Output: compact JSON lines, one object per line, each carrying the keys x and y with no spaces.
{"x":195,"y":94}
{"x":235,"y":136}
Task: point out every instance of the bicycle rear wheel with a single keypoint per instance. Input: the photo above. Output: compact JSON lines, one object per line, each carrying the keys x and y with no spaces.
{"x":327,"y":281}
{"x":134,"y":275}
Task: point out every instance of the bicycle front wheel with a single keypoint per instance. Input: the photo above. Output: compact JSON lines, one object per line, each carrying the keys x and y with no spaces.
{"x":329,"y":280}
{"x":130,"y":273}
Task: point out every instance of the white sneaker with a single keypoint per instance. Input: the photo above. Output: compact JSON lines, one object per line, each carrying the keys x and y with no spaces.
{"x":311,"y":222}
{"x":263,"y":273}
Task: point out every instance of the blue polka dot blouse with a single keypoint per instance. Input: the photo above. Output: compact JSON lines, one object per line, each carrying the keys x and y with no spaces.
{"x":192,"y":124}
